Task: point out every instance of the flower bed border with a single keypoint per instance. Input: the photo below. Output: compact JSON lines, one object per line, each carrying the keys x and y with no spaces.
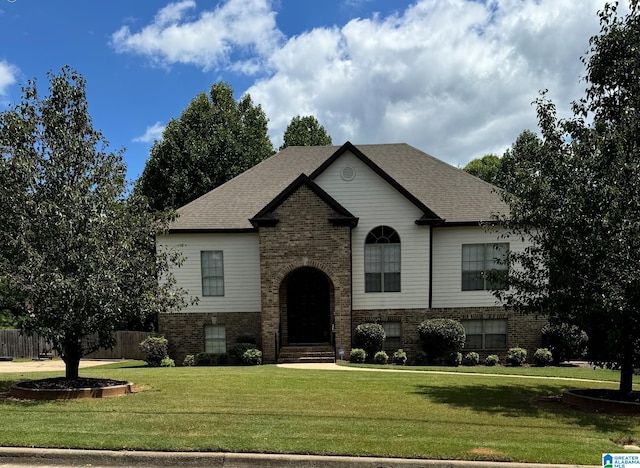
{"x":578,"y":399}
{"x":21,"y":392}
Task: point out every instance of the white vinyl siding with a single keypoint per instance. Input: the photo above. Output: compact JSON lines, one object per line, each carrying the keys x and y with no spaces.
{"x":371,"y":199}
{"x":241,"y":261}
{"x":447,"y":265}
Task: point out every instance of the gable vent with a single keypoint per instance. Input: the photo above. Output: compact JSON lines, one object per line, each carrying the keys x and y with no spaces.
{"x":348,"y":173}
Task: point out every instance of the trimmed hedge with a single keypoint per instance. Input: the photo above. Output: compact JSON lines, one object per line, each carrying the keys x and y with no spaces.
{"x":155,"y":349}
{"x":471,"y":359}
{"x":516,"y":357}
{"x":542,"y":357}
{"x":358,"y":355}
{"x":441,"y":339}
{"x":492,"y":360}
{"x":381,"y":357}
{"x":370,"y":337}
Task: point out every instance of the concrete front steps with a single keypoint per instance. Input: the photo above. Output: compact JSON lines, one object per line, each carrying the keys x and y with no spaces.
{"x":306,"y":354}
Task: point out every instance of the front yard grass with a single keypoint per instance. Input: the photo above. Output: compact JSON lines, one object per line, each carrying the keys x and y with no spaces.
{"x":276,"y":410}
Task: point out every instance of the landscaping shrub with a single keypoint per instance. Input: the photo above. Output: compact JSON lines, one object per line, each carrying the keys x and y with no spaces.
{"x":516,"y":357}
{"x":471,"y":359}
{"x":167,"y":362}
{"x":381,"y":357}
{"x":222,"y":359}
{"x":358,"y":355}
{"x":155,"y":349}
{"x":492,"y":360}
{"x":370,"y":337}
{"x":202,"y":359}
{"x":252,"y":357}
{"x":542,"y":357}
{"x":421,"y":358}
{"x":454,"y":359}
{"x":441,"y":338}
{"x":564,"y":341}
{"x":189,"y":360}
{"x":236,"y":351}
{"x":399,"y":357}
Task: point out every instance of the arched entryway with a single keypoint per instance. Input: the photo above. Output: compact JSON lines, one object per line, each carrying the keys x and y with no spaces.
{"x":307,"y":310}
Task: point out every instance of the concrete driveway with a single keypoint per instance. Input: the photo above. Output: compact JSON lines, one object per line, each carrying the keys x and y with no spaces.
{"x":49,"y":365}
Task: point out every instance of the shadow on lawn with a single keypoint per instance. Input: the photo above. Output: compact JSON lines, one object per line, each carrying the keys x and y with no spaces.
{"x":512,"y":401}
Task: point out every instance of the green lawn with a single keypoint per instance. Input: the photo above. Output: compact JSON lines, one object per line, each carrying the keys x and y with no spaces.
{"x":270,"y":409}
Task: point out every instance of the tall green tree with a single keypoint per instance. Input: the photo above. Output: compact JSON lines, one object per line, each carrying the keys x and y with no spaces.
{"x":575,"y":192}
{"x":214,"y":139}
{"x":71,"y":245}
{"x":486,"y":168}
{"x":305,"y":131}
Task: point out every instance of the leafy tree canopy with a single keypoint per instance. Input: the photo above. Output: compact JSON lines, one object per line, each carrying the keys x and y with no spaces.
{"x":575,"y":191}
{"x":305,"y":131}
{"x":486,"y":168}
{"x":71,"y":245}
{"x":214,"y":140}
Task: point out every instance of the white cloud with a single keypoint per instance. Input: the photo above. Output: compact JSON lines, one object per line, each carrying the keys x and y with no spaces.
{"x":455,"y":78}
{"x":152,"y":134}
{"x":8,"y":76}
{"x":214,"y":38}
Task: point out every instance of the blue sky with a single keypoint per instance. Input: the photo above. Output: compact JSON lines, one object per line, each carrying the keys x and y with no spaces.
{"x":454,"y":78}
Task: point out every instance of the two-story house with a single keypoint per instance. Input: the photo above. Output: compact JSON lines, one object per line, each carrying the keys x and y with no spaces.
{"x":303,"y":247}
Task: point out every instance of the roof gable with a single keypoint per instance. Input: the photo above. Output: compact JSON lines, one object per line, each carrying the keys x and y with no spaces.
{"x":429,"y":216}
{"x":265,"y":216}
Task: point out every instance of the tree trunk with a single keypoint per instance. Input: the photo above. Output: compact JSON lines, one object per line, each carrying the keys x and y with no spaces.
{"x":71,"y":354}
{"x":626,"y":376}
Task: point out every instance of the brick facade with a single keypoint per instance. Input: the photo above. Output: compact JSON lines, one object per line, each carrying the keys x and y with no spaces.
{"x":185,"y":331}
{"x":522,"y":330}
{"x":303,"y":237}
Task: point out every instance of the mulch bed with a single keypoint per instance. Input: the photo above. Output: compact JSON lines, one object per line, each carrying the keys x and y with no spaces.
{"x":61,"y":383}
{"x":614,"y":395}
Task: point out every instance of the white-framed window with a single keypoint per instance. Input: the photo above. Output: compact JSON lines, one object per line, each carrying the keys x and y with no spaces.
{"x":393,"y":336}
{"x":485,"y":333}
{"x":483,"y":266}
{"x":215,"y":339}
{"x":212,"y":266}
{"x":382,"y":260}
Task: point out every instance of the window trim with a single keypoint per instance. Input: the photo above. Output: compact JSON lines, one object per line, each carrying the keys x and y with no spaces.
{"x":204,"y":277}
{"x":379,"y":240}
{"x":483,"y":334}
{"x":397,"y":323}
{"x":483,"y":273}
{"x":220,"y":342}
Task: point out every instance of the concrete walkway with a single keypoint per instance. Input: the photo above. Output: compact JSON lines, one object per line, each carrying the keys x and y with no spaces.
{"x":330,"y":366}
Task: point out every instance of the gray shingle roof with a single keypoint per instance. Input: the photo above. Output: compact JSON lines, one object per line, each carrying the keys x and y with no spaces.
{"x":452,"y":194}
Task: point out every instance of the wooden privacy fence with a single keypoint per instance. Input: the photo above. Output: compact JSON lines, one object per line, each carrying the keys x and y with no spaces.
{"x":13,"y":344}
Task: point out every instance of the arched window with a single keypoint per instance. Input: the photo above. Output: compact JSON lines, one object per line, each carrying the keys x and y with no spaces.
{"x":382,"y":260}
